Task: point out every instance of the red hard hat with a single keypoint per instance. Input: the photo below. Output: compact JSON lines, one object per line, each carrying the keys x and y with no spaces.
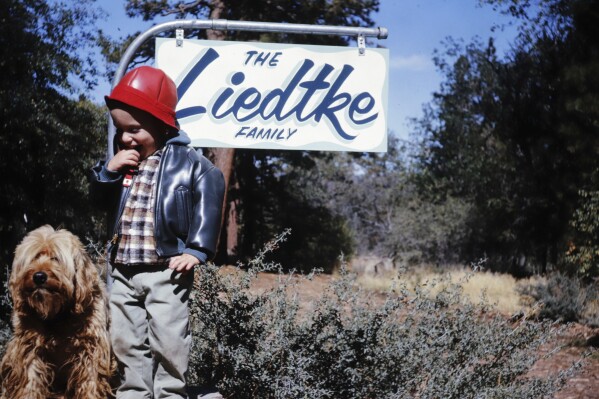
{"x":148,"y":89}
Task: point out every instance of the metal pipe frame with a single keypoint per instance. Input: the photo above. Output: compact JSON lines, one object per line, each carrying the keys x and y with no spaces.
{"x":223,"y":24}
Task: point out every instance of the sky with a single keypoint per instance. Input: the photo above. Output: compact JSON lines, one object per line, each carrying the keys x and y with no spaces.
{"x":416,"y":28}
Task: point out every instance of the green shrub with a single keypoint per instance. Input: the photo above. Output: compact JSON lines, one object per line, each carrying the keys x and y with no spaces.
{"x":350,"y":344}
{"x":566,"y":299}
{"x":583,"y":251}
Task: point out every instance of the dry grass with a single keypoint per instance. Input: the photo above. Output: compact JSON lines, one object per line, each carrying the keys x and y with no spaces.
{"x":501,"y":291}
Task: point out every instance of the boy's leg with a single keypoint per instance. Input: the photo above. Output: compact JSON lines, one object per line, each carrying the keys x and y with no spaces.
{"x":129,"y":335}
{"x":169,"y":335}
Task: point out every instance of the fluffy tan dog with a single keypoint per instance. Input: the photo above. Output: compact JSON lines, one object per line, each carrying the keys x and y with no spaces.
{"x":60,"y":347}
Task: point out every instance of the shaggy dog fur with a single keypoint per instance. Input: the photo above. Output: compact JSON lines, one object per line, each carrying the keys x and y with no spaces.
{"x":60,"y":347}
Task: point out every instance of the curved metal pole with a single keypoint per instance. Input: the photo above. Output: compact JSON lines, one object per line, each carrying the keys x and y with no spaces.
{"x":223,"y":24}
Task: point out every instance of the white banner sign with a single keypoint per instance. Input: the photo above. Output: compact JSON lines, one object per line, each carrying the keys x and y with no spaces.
{"x":279,"y":96}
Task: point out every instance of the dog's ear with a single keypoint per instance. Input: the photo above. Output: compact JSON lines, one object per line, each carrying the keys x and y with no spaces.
{"x":13,"y":289}
{"x":86,"y":281}
{"x":13,"y":282}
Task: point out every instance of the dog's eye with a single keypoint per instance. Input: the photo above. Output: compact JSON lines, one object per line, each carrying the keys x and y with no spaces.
{"x":46,"y":254}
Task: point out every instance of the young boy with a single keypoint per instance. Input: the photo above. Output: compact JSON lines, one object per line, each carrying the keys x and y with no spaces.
{"x":165,"y":204}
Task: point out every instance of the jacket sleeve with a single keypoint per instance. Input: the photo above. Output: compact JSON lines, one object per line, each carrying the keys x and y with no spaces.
{"x":209,"y":191}
{"x":104,"y":186}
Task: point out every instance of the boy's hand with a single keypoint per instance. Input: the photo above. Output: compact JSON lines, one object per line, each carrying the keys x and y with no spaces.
{"x":122,"y":160}
{"x":183,"y":263}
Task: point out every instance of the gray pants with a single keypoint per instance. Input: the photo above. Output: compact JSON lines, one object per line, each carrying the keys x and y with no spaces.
{"x":150,"y":330}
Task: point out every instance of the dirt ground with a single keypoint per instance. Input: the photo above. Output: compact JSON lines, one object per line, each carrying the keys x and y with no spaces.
{"x":584,"y":384}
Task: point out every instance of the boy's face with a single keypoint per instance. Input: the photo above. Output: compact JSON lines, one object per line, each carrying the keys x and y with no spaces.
{"x":137,"y":130}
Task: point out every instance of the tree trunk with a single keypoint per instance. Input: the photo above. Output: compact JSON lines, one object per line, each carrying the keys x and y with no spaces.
{"x":217,"y":11}
{"x":223,"y":158}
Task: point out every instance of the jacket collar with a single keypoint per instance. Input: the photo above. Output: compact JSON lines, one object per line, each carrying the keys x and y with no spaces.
{"x":180,"y":138}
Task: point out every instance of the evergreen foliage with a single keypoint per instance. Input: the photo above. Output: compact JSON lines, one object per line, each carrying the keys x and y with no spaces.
{"x":271,"y":198}
{"x":385,"y":213}
{"x":583,"y":252}
{"x":517,"y":138}
{"x":566,"y":299}
{"x":48,"y":138}
{"x":341,"y":13}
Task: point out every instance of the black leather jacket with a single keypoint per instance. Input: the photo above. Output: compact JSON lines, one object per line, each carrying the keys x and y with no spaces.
{"x":189,"y":200}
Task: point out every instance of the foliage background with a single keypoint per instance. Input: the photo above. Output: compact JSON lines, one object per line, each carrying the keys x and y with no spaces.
{"x":50,"y":132}
{"x":503,"y":166}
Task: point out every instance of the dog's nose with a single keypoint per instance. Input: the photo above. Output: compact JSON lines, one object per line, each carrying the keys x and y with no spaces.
{"x":40,"y":278}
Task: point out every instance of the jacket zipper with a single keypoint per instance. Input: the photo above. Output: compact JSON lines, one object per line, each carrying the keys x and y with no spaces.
{"x":165,"y":153}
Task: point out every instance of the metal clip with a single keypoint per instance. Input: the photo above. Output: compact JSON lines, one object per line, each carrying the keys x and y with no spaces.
{"x":179,"y":35}
{"x":361,"y":44}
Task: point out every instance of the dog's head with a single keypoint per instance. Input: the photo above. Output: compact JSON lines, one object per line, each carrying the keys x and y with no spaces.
{"x":52,"y":274}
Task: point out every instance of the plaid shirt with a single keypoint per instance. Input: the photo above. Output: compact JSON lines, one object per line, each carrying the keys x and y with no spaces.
{"x":137,"y":245}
